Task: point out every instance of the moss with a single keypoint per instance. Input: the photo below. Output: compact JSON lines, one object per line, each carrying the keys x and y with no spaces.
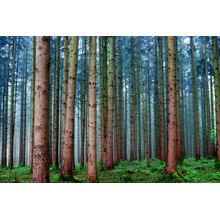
{"x":190,"y":171}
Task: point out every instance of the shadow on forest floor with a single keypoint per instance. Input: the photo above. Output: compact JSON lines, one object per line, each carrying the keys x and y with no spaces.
{"x":191,"y":171}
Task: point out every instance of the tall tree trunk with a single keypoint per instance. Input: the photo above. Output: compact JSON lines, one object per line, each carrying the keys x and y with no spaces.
{"x":11,"y":147}
{"x":179,"y":143}
{"x":148,"y":146}
{"x":133,"y":108}
{"x":56,"y":106}
{"x":65,"y":81}
{"x":110,"y":88}
{"x":120,"y":111}
{"x":161,"y":98}
{"x":172,"y":123}
{"x":207,"y":101}
{"x":83,"y":104}
{"x":217,"y":91}
{"x":32,"y":99}
{"x":103,"y":98}
{"x":68,"y":145}
{"x":92,"y":173}
{"x":41,"y":119}
{"x":195,"y":100}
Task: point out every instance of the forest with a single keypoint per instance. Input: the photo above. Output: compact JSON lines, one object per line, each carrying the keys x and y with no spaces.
{"x":109,"y":109}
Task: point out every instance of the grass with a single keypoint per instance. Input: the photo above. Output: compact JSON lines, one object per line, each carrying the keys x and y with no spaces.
{"x":190,"y":171}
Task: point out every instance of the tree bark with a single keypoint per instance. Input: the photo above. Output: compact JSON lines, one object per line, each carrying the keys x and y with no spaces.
{"x":41,"y":119}
{"x":172,"y":124}
{"x":92,"y":173}
{"x":67,"y":162}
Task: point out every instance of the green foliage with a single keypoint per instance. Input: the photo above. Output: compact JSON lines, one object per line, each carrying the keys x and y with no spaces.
{"x":190,"y":171}
{"x":213,"y":136}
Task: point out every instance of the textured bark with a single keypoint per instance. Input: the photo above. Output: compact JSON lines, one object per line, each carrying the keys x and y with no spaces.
{"x":12,"y":106}
{"x":179,"y":143}
{"x":156,"y":103}
{"x":172,"y":157}
{"x":83,"y":104}
{"x":133,"y":107}
{"x":195,"y":100}
{"x":56,"y":106}
{"x":148,"y":144}
{"x":207,"y":100}
{"x":103,"y":98}
{"x":120,"y":110}
{"x":32,"y":100}
{"x":111,"y":73}
{"x":67,"y":162}
{"x":41,"y":119}
{"x":92,"y":173}
{"x":65,"y":81}
{"x":217,"y":91}
{"x":161,"y":98}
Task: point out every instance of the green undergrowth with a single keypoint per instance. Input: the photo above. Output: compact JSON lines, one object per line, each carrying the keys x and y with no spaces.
{"x":190,"y":171}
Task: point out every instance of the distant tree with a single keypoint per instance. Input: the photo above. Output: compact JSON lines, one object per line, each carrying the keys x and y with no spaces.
{"x":195,"y":99}
{"x":217,"y":90}
{"x":111,"y":73}
{"x":12,"y":109}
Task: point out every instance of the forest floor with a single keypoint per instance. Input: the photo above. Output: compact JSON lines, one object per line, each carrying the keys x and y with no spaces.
{"x":190,"y":171}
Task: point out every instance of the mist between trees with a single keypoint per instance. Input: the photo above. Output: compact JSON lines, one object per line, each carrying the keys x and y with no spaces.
{"x":69,"y":101}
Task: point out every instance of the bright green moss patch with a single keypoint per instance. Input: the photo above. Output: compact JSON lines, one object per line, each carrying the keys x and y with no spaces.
{"x":190,"y":171}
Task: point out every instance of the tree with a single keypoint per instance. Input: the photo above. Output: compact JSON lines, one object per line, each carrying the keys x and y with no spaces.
{"x":111,"y":73}
{"x":67,"y":161}
{"x":172,"y":157}
{"x":32,"y":98}
{"x":12,"y":108}
{"x":133,"y":104}
{"x":92,"y":173}
{"x":161,"y":98}
{"x":56,"y":105}
{"x":41,"y":119}
{"x":195,"y":99}
{"x":217,"y":90}
{"x":65,"y":83}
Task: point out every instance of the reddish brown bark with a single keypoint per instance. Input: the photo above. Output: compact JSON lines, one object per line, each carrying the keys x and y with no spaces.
{"x":67,"y":162}
{"x":172,"y":159}
{"x":92,"y":173}
{"x":41,"y":120}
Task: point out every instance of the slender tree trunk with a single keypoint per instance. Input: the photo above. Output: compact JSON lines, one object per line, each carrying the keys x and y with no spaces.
{"x":65,"y":81}
{"x":133,"y":109}
{"x":217,"y":91}
{"x":32,"y":99}
{"x":56,"y":106}
{"x":195,"y":100}
{"x":148,"y":147}
{"x":92,"y":173}
{"x":11,"y":147}
{"x":179,"y":143}
{"x":41,"y":119}
{"x":111,"y":74}
{"x":83,"y":104}
{"x":68,"y":145}
{"x":172,"y":124}
{"x":161,"y":98}
{"x":120,"y":111}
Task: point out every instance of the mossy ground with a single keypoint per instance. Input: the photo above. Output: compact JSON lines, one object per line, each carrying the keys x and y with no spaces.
{"x":190,"y":171}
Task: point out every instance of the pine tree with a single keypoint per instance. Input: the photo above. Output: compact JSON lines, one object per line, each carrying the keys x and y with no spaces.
{"x":67,"y":162}
{"x":172,"y":156}
{"x":41,"y":119}
{"x":92,"y":173}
